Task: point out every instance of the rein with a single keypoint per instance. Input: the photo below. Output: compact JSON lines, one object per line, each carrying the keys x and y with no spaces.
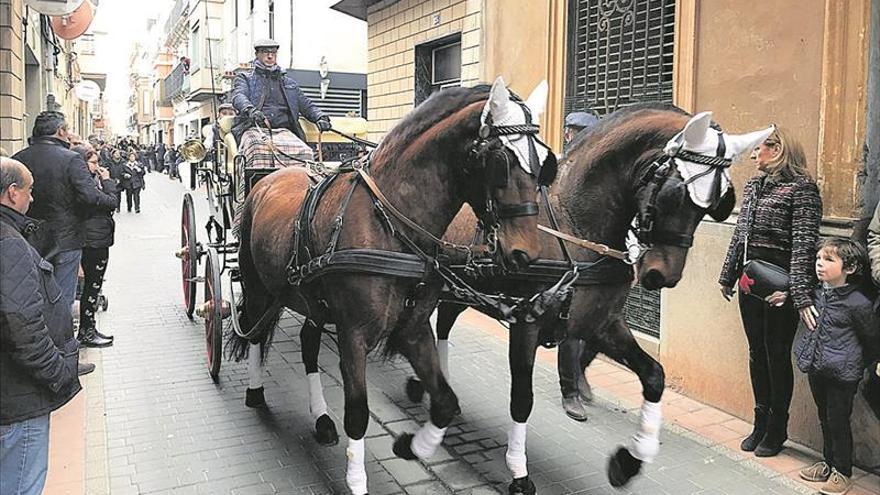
{"x":397,"y":214}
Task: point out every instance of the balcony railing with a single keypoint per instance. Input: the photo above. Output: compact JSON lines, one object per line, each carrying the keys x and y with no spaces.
{"x":176,"y":84}
{"x":176,"y":26}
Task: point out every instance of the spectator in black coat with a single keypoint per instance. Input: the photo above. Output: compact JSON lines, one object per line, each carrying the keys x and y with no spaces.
{"x":38,"y":354}
{"x":65,"y":186}
{"x":117,"y":163}
{"x":133,"y":182}
{"x":98,"y":232}
{"x":160,"y":157}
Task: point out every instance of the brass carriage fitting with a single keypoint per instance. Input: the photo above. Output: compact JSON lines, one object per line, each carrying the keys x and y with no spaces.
{"x":202,"y":309}
{"x":206,"y":307}
{"x":181,"y":253}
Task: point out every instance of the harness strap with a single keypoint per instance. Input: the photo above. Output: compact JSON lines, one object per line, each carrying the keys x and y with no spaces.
{"x":555,"y":224}
{"x":602,"y":249}
{"x":377,"y":193}
{"x":527,"y":209}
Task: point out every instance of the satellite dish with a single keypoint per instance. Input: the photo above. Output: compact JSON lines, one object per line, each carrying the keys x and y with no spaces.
{"x":74,"y":24}
{"x":54,"y":7}
{"x":87,"y":90}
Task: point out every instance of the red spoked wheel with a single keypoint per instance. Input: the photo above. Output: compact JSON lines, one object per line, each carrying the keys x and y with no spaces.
{"x":189,"y":256}
{"x":215,"y":310}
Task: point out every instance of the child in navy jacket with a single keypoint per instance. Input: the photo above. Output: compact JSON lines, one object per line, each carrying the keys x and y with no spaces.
{"x":834,"y":353}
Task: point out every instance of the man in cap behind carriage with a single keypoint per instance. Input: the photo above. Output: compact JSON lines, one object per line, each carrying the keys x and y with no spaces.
{"x":269,"y":98}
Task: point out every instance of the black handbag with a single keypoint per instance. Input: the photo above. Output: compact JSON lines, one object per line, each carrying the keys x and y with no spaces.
{"x":760,"y":278}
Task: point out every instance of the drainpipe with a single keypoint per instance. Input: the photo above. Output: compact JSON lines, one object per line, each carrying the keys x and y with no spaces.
{"x":290,"y":62}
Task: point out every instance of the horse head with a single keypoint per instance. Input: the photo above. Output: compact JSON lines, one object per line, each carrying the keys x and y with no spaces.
{"x":688,"y":182}
{"x":506,"y":164}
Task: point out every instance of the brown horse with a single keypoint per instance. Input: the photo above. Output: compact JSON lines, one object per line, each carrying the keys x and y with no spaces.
{"x":620,"y":170}
{"x":447,"y":152}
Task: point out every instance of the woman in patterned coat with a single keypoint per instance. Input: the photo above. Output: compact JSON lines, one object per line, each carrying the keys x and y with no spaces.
{"x":778,"y":223}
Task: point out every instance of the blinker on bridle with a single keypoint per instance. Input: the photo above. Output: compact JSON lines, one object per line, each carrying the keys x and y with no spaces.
{"x":498,"y":174}
{"x":657,"y":175}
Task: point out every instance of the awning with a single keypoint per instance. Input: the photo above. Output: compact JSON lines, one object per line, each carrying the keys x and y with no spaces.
{"x":355,"y":8}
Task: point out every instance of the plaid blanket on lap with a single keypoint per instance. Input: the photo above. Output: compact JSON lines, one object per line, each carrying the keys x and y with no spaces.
{"x":257,"y":149}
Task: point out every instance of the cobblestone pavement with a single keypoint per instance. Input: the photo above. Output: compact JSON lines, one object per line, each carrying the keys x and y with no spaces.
{"x":168,"y":429}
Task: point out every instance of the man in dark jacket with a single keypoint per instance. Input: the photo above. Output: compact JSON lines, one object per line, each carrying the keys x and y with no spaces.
{"x":160,"y":157}
{"x":38,"y":354}
{"x":65,"y":188}
{"x":573,"y":356}
{"x":268,"y":97}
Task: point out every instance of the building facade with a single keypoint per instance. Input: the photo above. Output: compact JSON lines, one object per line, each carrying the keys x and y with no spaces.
{"x":205,"y":42}
{"x":38,"y":71}
{"x":817,"y":73}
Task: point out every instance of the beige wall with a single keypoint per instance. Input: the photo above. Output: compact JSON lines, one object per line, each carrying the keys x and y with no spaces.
{"x":524,"y":41}
{"x":393,"y":31}
{"x":11,"y":76}
{"x":774,"y":72}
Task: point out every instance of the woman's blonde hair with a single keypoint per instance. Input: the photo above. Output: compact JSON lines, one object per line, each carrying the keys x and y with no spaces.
{"x":791,"y":160}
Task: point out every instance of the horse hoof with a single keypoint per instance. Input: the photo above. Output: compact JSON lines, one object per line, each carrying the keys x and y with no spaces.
{"x":253,"y":397}
{"x":325,"y":431}
{"x":522,"y":486}
{"x":414,"y":390}
{"x":622,"y":466}
{"x":403,"y":447}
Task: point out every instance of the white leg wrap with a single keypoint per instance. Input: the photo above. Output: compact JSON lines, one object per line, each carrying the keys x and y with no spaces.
{"x":646,"y":441}
{"x":356,"y":472}
{"x":516,"y":450}
{"x":426,"y":440}
{"x":255,"y":369}
{"x":443,"y":353}
{"x":317,"y":405}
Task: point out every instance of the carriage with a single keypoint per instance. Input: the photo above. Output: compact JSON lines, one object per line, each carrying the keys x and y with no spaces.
{"x":228,"y":175}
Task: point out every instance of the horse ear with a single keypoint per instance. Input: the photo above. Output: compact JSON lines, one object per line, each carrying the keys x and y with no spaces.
{"x":694,"y":131}
{"x":724,"y":207}
{"x":740,"y":143}
{"x":537,"y":101}
{"x":499,"y":97}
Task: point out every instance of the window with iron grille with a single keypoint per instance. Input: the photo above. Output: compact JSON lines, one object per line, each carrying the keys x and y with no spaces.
{"x":620,"y":53}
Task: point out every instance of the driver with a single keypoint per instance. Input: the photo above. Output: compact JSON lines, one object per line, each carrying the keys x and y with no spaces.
{"x":266,"y":95}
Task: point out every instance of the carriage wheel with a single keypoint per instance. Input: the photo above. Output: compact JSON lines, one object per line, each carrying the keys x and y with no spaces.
{"x":214,"y":313}
{"x":189,"y":258}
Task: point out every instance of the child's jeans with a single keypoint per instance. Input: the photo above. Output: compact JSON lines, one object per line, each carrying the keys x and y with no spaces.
{"x":834,"y":401}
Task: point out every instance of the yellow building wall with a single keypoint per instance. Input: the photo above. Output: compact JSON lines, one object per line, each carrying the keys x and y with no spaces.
{"x":11,"y":76}
{"x":752,"y":70}
{"x":524,"y":41}
{"x":393,"y":32}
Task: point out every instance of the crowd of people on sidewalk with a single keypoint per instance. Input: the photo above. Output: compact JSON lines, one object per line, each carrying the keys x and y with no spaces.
{"x":57,"y":202}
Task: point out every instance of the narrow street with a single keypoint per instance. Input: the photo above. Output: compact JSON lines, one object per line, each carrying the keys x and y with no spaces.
{"x":156,"y":423}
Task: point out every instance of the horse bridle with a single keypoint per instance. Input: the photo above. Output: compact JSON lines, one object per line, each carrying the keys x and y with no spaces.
{"x":656,"y":176}
{"x":488,"y":140}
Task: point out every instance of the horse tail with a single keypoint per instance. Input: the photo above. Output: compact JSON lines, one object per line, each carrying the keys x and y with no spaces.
{"x":259,"y":310}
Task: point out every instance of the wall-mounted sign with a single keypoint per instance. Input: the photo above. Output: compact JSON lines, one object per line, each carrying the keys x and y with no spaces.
{"x":87,"y":91}
{"x":54,"y":7}
{"x":73,"y":24}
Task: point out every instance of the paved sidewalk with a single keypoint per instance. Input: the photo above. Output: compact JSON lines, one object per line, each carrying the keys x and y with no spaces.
{"x":155,"y":423}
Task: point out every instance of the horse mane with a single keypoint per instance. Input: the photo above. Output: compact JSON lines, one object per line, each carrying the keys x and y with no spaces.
{"x":618,"y":140}
{"x":435,"y":109}
{"x":613,"y":119}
